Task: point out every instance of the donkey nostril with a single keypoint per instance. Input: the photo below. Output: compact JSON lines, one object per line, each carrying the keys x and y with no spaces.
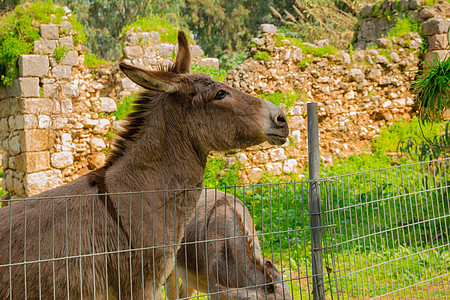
{"x":280,"y":120}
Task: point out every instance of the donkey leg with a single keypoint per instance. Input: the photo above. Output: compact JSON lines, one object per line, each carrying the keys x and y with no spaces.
{"x":171,"y":286}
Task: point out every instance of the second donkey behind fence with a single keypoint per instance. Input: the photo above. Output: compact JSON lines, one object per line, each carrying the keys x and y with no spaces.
{"x":231,"y":259}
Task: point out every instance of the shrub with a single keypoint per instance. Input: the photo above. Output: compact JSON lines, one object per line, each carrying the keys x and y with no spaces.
{"x":217,"y":176}
{"x":263,"y":55}
{"x":229,"y":61}
{"x":216,"y":74}
{"x":403,"y":27}
{"x":124,"y":107}
{"x":92,"y":61}
{"x":288,"y":99}
{"x":20,"y":28}
{"x":154,"y":22}
{"x":59,"y":53}
{"x":281,"y":40}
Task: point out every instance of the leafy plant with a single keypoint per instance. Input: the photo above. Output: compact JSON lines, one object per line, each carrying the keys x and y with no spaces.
{"x":288,"y":98}
{"x":216,"y":74}
{"x":263,"y":55}
{"x":92,"y":61}
{"x":20,"y":28}
{"x":217,"y":176}
{"x":59,"y":53}
{"x":403,"y":26}
{"x":231,"y":60}
{"x":124,"y":107}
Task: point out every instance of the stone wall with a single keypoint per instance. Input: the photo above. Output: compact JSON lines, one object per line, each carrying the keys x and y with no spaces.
{"x":375,"y":21}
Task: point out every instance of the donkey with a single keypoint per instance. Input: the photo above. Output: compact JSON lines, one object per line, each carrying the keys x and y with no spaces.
{"x":84,"y":245}
{"x":233,"y":261}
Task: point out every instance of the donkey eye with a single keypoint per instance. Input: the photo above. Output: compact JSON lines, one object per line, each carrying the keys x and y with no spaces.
{"x":220,"y":95}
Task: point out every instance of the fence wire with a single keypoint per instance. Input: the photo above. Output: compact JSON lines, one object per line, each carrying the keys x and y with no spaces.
{"x":391,"y":239}
{"x":385,"y":235}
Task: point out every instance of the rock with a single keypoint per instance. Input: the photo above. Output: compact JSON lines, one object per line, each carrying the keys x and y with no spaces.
{"x":295,"y":110}
{"x":255,"y":174}
{"x":65,"y":27}
{"x":97,"y":144}
{"x":133,"y":51}
{"x":131,"y":37}
{"x":394,"y":57}
{"x":386,"y":104}
{"x":382,"y":60}
{"x":96,"y":160}
{"x":28,"y":86}
{"x":345,"y":57}
{"x":384,"y":43}
{"x":196,"y":51}
{"x":66,"y":41}
{"x":166,"y":49}
{"x":383,"y":81}
{"x":44,"y":122}
{"x":323,"y":43}
{"x":101,"y":127}
{"x":296,"y":136}
{"x":365,"y":11}
{"x":155,"y":36}
{"x":14,"y":145}
{"x":241,"y":157}
{"x":374,"y":74}
{"x":261,"y":157}
{"x":275,"y":168}
{"x":277,"y":154}
{"x":127,"y":84}
{"x":257,"y":41}
{"x":49,"y":31}
{"x":415,"y":44}
{"x":70,"y":58}
{"x":118,"y":126}
{"x":66,"y":106}
{"x":427,"y":12}
{"x":60,"y":160}
{"x":36,"y":183}
{"x":369,"y":59}
{"x":42,"y":46}
{"x":435,"y":26}
{"x":356,"y":75}
{"x":50,"y":90}
{"x":106,"y":105}
{"x":71,"y":90}
{"x":414,"y":4}
{"x":267,"y":28}
{"x":350,"y":95}
{"x":210,"y":62}
{"x":287,"y":55}
{"x":33,"y":161}
{"x":297,"y":55}
{"x":392,"y":95}
{"x":62,"y":72}
{"x":33,"y":65}
{"x":36,"y":139}
{"x":290,"y":166}
{"x":438,"y":42}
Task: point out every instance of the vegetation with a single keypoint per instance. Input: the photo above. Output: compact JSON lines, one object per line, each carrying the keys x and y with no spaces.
{"x":263,"y":55}
{"x":20,"y":28}
{"x":124,"y":107}
{"x":167,"y":32}
{"x":288,"y":99}
{"x":217,"y":175}
{"x":93,"y":61}
{"x":231,"y":60}
{"x":59,"y":53}
{"x":216,"y":74}
{"x":403,"y":26}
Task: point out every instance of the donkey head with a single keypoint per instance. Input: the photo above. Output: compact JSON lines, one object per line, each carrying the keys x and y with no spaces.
{"x":213,"y":115}
{"x":274,"y":289}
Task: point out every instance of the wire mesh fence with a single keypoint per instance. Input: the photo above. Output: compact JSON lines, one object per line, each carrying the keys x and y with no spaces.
{"x":385,"y":234}
{"x":391,"y":234}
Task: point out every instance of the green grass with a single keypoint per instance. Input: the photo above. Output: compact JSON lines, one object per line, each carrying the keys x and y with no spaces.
{"x":404,"y":26}
{"x":277,"y":98}
{"x":92,"y":61}
{"x":59,"y":53}
{"x":280,"y":40}
{"x":402,"y":130}
{"x":20,"y":28}
{"x":124,"y":107}
{"x":303,"y":63}
{"x":216,"y":175}
{"x":263,"y":55}
{"x":216,"y":74}
{"x":154,"y":22}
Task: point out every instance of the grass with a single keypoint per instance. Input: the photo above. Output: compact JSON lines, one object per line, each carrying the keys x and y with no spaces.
{"x":20,"y":28}
{"x":263,"y":55}
{"x":59,"y":53}
{"x":154,"y":22}
{"x":124,"y":107}
{"x":281,"y":40}
{"x":216,"y":74}
{"x":288,"y":98}
{"x":404,"y":26}
{"x":93,"y":61}
{"x":402,"y":130}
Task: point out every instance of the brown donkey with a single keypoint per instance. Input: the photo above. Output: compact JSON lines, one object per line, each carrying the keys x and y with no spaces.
{"x":234,"y":260}
{"x":59,"y":246}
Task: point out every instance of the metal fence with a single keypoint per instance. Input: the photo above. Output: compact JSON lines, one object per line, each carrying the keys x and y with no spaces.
{"x":376,"y":234}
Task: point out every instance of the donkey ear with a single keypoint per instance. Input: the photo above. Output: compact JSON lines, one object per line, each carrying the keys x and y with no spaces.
{"x":153,"y":80}
{"x":183,"y":60}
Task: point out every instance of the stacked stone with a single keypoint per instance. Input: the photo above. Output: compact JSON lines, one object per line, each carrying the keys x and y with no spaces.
{"x":435,"y":29}
{"x":358,"y":94}
{"x":39,"y":114}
